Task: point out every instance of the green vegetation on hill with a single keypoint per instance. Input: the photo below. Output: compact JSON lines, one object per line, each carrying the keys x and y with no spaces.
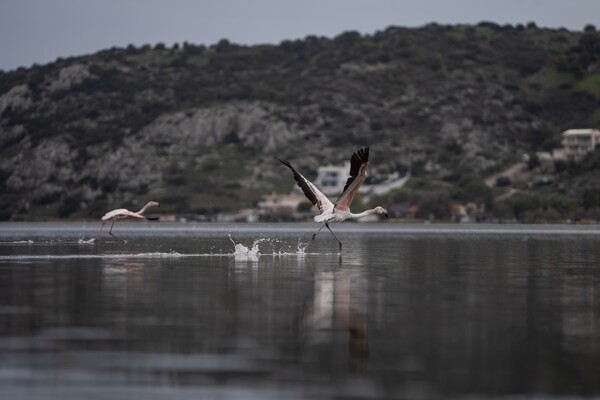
{"x":199,"y":128}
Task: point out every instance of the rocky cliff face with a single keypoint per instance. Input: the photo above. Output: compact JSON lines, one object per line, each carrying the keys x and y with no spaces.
{"x":81,"y":135}
{"x":42,"y":171}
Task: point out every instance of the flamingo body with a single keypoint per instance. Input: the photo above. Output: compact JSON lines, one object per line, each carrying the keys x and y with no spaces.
{"x":121,"y":213}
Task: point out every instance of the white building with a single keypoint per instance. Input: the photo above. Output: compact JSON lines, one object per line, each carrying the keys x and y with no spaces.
{"x":579,"y":142}
{"x":332,"y":178}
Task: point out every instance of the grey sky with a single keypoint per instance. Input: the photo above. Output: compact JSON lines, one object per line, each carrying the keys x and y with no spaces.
{"x":39,"y":31}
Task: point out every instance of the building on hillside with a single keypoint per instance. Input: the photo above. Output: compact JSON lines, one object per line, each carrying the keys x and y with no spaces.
{"x":394,"y":181}
{"x":280,"y":203}
{"x":577,"y":143}
{"x":469,"y":212}
{"x":332,"y":178}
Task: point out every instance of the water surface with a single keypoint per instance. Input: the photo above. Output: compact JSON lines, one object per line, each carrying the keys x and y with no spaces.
{"x":257,"y":311}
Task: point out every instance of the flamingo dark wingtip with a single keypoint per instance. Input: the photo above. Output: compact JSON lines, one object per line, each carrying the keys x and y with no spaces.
{"x":362,"y":155}
{"x":286,"y":163}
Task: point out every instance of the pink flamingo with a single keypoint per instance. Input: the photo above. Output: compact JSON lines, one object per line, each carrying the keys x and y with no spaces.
{"x":121,"y":213}
{"x":340,"y":211}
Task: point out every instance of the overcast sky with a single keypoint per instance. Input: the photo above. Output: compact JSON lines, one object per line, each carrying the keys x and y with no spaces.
{"x":39,"y":31}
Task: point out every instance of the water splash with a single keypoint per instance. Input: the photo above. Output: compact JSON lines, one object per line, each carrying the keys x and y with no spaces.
{"x":271,"y":246}
{"x":18,"y":242}
{"x":242,"y":252}
{"x":89,"y":241}
{"x":156,"y":254}
{"x":302,"y":248}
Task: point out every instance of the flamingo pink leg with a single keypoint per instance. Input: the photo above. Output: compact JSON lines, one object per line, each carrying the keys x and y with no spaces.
{"x":113,"y":235}
{"x":101,"y":226}
{"x":338,"y":239}
{"x":315,"y":234}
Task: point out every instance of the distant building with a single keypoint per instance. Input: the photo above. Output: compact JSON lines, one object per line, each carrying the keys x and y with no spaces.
{"x":579,"y":142}
{"x":559,"y":154}
{"x":555,"y":154}
{"x":280,"y":203}
{"x":458,"y":212}
{"x":332,"y":178}
{"x":394,"y":181}
{"x":167,"y":218}
{"x":467,"y":212}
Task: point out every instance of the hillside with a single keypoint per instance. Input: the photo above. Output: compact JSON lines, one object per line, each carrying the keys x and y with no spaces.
{"x":200,"y":128}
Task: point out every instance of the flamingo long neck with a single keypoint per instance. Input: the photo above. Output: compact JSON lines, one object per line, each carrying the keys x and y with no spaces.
{"x":144,"y":208}
{"x":363,"y":214}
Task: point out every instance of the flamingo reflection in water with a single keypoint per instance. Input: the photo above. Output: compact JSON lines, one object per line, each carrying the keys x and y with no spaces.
{"x":336,"y":312}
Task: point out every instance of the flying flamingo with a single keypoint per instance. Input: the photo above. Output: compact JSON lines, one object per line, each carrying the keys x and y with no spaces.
{"x":121,"y":213}
{"x":340,"y":211}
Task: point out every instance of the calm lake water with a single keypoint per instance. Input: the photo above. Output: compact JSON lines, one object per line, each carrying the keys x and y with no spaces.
{"x":257,"y":311}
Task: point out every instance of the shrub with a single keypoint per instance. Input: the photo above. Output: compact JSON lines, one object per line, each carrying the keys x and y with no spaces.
{"x":590,"y":198}
{"x":305,"y":206}
{"x":69,"y":205}
{"x":502,"y":181}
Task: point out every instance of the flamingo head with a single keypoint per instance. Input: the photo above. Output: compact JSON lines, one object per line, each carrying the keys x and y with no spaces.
{"x":153,"y":203}
{"x":381,"y":210}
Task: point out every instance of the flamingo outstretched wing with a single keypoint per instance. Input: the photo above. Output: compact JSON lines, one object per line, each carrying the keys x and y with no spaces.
{"x":310,"y":190}
{"x":134,"y":215}
{"x":358,"y":174}
{"x":121,"y":213}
